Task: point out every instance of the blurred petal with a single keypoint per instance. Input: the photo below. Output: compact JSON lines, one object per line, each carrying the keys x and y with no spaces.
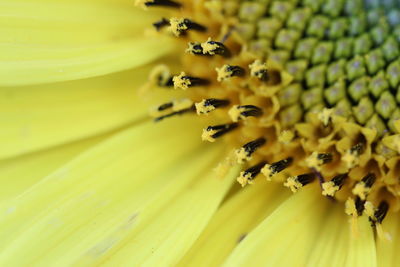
{"x":49,"y":41}
{"x":38,"y":117}
{"x":91,"y":203}
{"x":235,"y":219}
{"x":362,"y":251}
{"x":17,"y":175}
{"x":331,"y":247}
{"x":287,"y":236}
{"x":387,"y":254}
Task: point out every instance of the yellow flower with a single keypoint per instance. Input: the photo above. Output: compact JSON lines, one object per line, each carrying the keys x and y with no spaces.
{"x":295,"y":96}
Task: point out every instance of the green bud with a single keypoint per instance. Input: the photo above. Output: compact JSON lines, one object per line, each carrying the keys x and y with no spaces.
{"x":385,"y":105}
{"x":280,"y":9}
{"x":305,"y":48}
{"x":378,"y":84}
{"x":362,"y":44}
{"x":290,"y":115}
{"x":246,"y":30}
{"x":333,"y":8}
{"x":279,"y":56}
{"x":355,"y":68}
{"x":357,"y":25}
{"x":287,"y":39}
{"x":290,"y":94}
{"x":391,"y":49}
{"x":338,"y":28}
{"x":268,"y":27}
{"x":359,"y":88}
{"x":375,"y":61}
{"x":377,"y":124}
{"x":393,"y":73}
{"x":297,"y":68}
{"x":395,"y":116}
{"x":251,"y":11}
{"x":316,"y":76}
{"x":336,"y":71}
{"x":317,"y":26}
{"x":298,"y":18}
{"x":343,"y":108}
{"x":343,"y":48}
{"x":260,"y":46}
{"x":322,"y":52}
{"x":312,"y":97}
{"x":364,"y":110}
{"x":336,"y":92}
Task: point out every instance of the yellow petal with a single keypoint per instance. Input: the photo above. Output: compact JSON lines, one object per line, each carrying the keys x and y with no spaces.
{"x":233,"y":222}
{"x":49,"y":41}
{"x":91,"y":202}
{"x":38,"y":117}
{"x":19,"y":174}
{"x":287,"y":236}
{"x":331,"y":246}
{"x":362,"y":251}
{"x":387,"y":251}
{"x":170,"y":225}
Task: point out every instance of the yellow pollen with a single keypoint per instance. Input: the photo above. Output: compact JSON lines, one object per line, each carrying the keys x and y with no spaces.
{"x":329,"y":189}
{"x":223,"y":73}
{"x":244,"y":178}
{"x":361,"y":190}
{"x":325,"y":116}
{"x":266,"y":170}
{"x":177,"y":26}
{"x":202,"y":108}
{"x":235,"y":113}
{"x":285,"y":137}
{"x":257,"y":68}
{"x":314,"y":162}
{"x":207,"y":135}
{"x":350,"y":207}
{"x":208,"y":47}
{"x":180,"y":82}
{"x":369,"y":210}
{"x":242,"y":155}
{"x":351,"y":158}
{"x":193,"y":48}
{"x":293,"y":184}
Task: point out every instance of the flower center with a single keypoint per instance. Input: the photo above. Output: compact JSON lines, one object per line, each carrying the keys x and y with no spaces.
{"x":304,"y":91}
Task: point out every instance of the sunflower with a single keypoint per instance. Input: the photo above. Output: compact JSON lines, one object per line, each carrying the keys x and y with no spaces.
{"x":199,"y":133}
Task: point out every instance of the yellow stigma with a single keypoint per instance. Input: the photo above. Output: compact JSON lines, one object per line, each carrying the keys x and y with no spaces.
{"x":267,"y":172}
{"x":177,"y":26}
{"x":293,"y":184}
{"x":180,"y":82}
{"x":223,"y":73}
{"x":325,"y":116}
{"x":361,"y":190}
{"x":209,"y":47}
{"x":258,"y":69}
{"x":244,"y":178}
{"x":329,"y":189}
{"x":202,"y":108}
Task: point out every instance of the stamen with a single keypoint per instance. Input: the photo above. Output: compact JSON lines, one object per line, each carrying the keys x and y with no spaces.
{"x":352,"y":155}
{"x":247,"y":176}
{"x":381,"y":211}
{"x":208,"y":105}
{"x":228,"y":71}
{"x":259,"y":70}
{"x":244,"y":153}
{"x":362,"y":188}
{"x":270,"y":170}
{"x":161,"y":76}
{"x":183,"y":81}
{"x":354,"y":207}
{"x":330,"y":188}
{"x":177,"y":107}
{"x":238,"y":112}
{"x":163,"y":3}
{"x":316,"y":160}
{"x":161,"y":24}
{"x":179,"y":26}
{"x":297,"y":182}
{"x":212,"y":132}
{"x":209,"y":48}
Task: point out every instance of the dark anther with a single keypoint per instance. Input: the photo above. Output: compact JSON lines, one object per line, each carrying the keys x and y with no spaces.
{"x":359,"y":205}
{"x":165,"y":106}
{"x":369,"y":180}
{"x":381,"y":211}
{"x":180,"y":112}
{"x":221,"y":129}
{"x":164,"y":3}
{"x":252,"y":146}
{"x":215,"y":48}
{"x":194,"y":81}
{"x":325,"y":157}
{"x":216,"y":102}
{"x":339,"y":180}
{"x":161,"y":24}
{"x":255,"y":170}
{"x":191,"y":25}
{"x":235,"y":70}
{"x":305,"y":179}
{"x":279,"y":166}
{"x":250,"y":111}
{"x":195,"y":49}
